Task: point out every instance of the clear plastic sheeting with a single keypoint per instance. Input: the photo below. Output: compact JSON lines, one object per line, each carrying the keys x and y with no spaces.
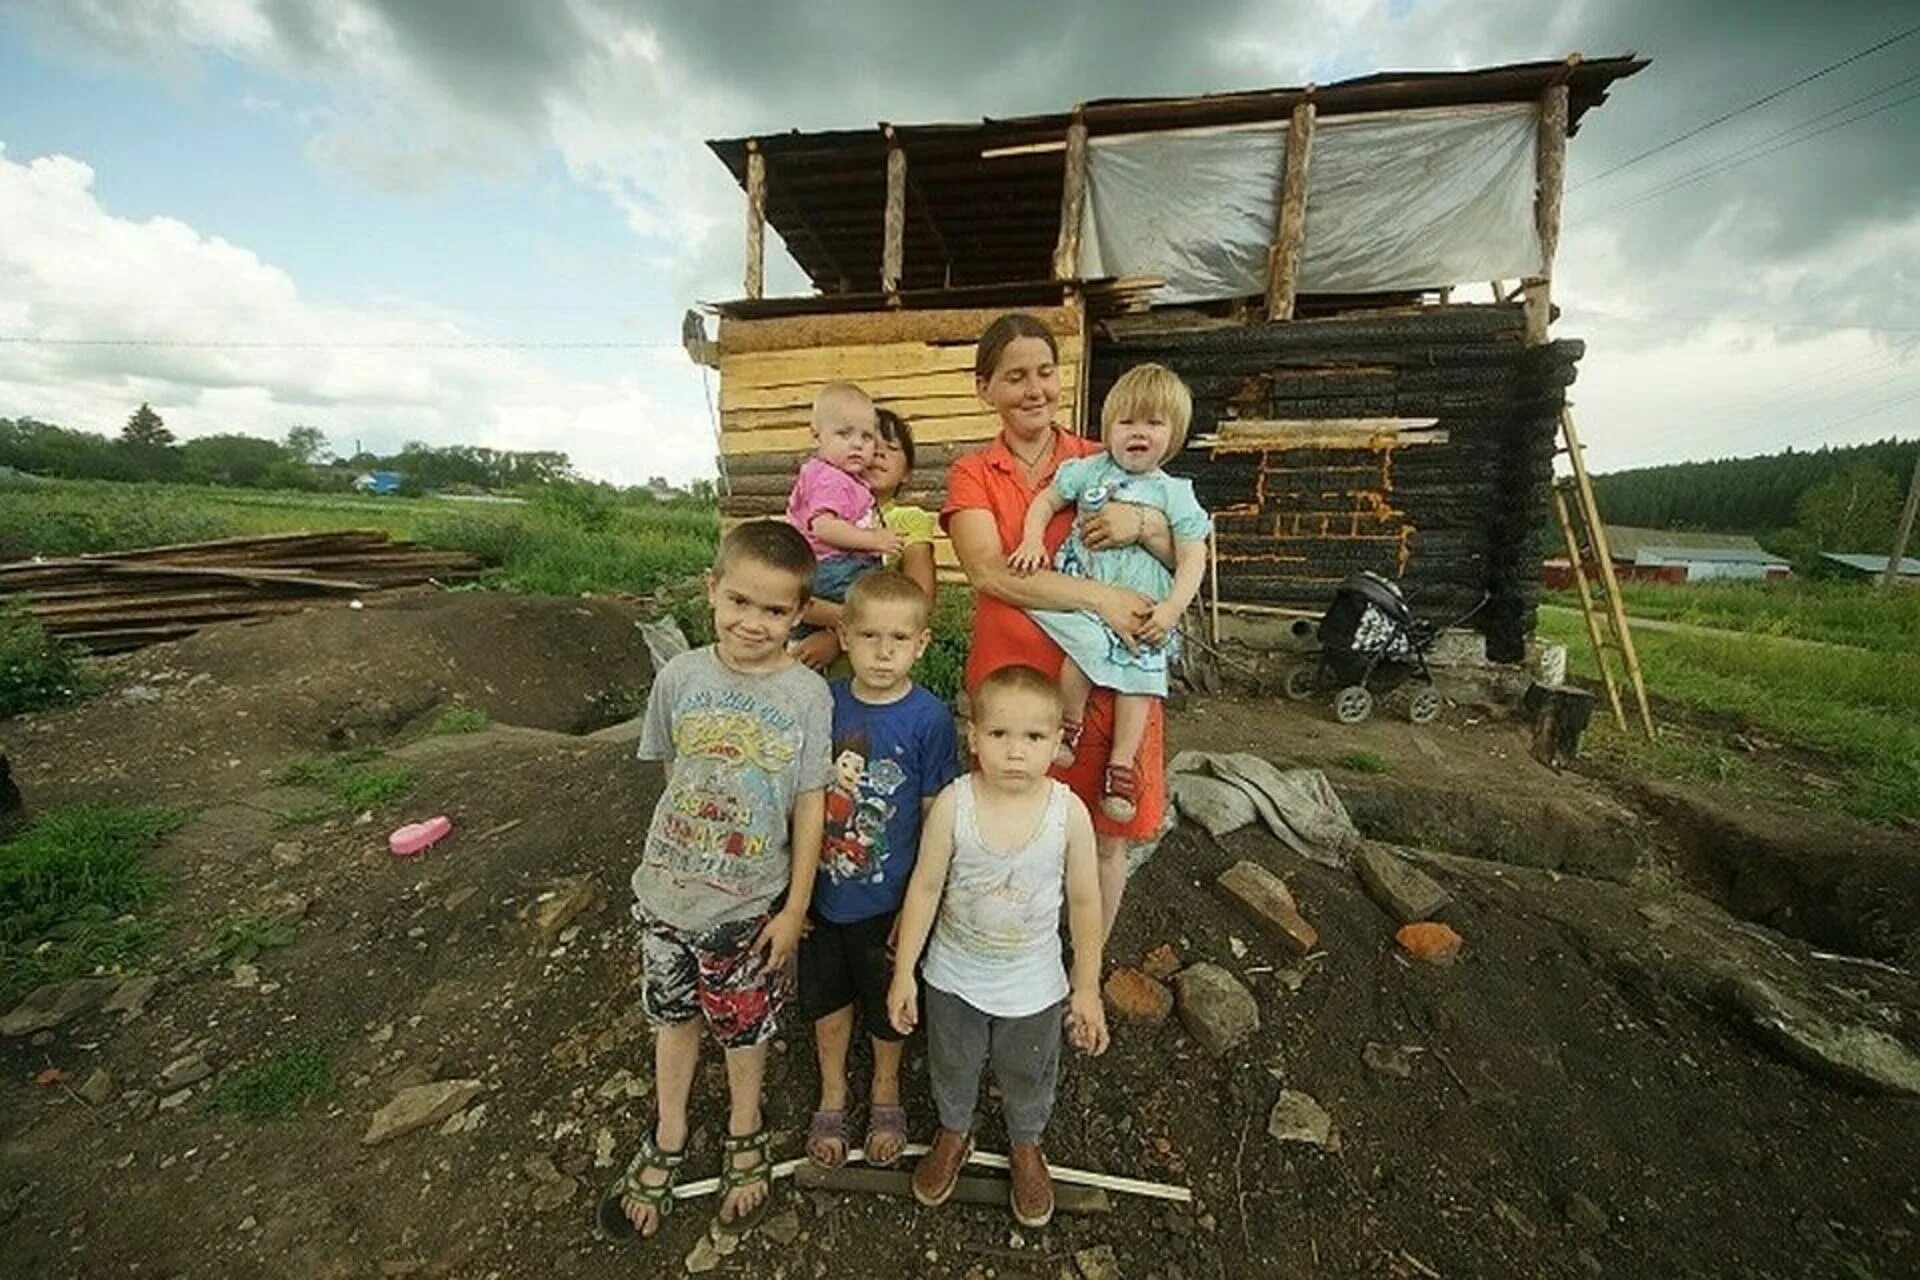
{"x":1400,"y":200}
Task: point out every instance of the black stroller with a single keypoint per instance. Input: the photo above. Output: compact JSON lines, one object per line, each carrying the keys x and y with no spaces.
{"x":1370,"y":643}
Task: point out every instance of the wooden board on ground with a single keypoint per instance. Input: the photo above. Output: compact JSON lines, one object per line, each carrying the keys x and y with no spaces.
{"x":972,"y":1188}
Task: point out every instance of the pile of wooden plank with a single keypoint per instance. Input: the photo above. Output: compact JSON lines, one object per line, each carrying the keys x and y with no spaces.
{"x":122,"y":600}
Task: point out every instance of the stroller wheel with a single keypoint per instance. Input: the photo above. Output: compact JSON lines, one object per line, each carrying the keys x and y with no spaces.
{"x":1424,"y":708}
{"x":1301,"y":683}
{"x":1352,"y":704}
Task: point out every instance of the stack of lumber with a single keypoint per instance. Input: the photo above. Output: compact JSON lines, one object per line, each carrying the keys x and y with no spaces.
{"x":123,"y":600}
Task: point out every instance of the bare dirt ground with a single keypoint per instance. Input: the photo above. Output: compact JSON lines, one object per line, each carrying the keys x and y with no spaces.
{"x":1575,"y":1096}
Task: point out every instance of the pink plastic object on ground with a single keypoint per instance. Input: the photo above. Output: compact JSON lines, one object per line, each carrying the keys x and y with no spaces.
{"x":417,"y":837}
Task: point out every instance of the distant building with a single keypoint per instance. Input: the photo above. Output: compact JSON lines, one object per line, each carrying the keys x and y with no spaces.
{"x":379,"y":483}
{"x":1859,"y":566}
{"x":659,"y":488}
{"x":1669,"y":555}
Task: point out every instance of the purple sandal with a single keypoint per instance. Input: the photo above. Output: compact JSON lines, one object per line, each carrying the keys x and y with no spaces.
{"x":889,"y":1122}
{"x":827,"y":1126}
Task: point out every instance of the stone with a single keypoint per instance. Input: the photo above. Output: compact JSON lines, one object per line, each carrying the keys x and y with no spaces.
{"x":1097,"y":1263}
{"x":1585,"y":1214}
{"x":418,"y":1107}
{"x":184,"y":1071}
{"x":97,"y":1089}
{"x":1215,"y":1008}
{"x":540,"y":1168}
{"x":1269,"y":903}
{"x":1430,"y":941}
{"x":622,"y":1084}
{"x":604,"y":1145}
{"x":1299,"y":1117}
{"x":130,"y":1000}
{"x":246,"y":977}
{"x":1218,"y":807}
{"x":459,"y":897}
{"x":380,"y":1034}
{"x":48,"y":1006}
{"x":174,"y":1101}
{"x":1856,"y":1056}
{"x":703,"y":1257}
{"x":1388,"y":1060}
{"x":1405,"y":892}
{"x":1162,"y":962}
{"x":1138,"y":998}
{"x":288,"y":853}
{"x":566,"y":901}
{"x":782,"y":1228}
{"x":549,"y":1196}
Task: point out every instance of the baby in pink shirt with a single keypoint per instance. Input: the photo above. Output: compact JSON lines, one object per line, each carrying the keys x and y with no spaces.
{"x":831,"y":504}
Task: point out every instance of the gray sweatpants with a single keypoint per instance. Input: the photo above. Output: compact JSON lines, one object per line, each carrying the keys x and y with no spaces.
{"x":1025,"y":1053}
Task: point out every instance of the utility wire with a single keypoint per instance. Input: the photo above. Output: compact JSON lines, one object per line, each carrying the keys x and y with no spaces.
{"x":32,"y":340}
{"x":1761,"y":101}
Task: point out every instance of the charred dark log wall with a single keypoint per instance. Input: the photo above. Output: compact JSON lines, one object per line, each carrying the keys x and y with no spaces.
{"x":1451,"y":521}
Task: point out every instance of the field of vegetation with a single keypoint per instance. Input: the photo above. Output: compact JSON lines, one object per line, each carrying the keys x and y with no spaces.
{"x":1853,"y":700}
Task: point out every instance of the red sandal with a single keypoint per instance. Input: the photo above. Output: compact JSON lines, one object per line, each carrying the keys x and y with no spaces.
{"x":1119,"y":788}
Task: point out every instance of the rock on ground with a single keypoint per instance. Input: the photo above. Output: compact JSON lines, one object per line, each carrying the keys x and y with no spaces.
{"x":1857,"y":1056}
{"x":1215,"y":1009}
{"x":1299,"y":1117}
{"x":1138,"y":998}
{"x":50,"y":1005}
{"x":1403,"y":891}
{"x":1430,"y":941}
{"x":418,"y":1107}
{"x":1219,"y":807}
{"x":1266,"y":899}
{"x":571,"y":898}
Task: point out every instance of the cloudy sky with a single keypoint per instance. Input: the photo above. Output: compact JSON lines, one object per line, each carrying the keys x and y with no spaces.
{"x":480,"y":220}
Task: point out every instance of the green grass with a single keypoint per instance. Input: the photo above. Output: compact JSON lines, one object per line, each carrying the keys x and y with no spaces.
{"x":1847,"y":613}
{"x":353,"y":781}
{"x":942,"y":667}
{"x":242,"y":939}
{"x":460,"y":719}
{"x":1859,"y":708}
{"x":278,"y":1085}
{"x":1364,"y":762}
{"x":70,"y":885}
{"x":36,"y":670}
{"x":559,"y":544}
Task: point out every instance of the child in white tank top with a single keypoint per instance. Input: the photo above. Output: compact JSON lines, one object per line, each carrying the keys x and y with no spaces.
{"x":1000,"y":850}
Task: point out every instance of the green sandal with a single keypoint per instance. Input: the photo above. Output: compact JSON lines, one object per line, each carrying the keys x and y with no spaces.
{"x":611,"y":1217}
{"x":732,"y":1178}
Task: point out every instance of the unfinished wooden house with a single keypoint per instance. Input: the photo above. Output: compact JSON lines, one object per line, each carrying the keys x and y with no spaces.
{"x":1354,"y":278}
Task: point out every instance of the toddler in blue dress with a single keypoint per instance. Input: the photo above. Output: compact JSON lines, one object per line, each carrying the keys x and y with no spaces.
{"x":1143,"y":422}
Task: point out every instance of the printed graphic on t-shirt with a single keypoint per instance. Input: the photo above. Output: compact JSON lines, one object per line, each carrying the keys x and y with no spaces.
{"x":860,"y":800}
{"x":723,"y":805}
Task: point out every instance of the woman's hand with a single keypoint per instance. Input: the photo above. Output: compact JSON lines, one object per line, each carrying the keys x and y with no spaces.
{"x":1029,"y":557}
{"x":1126,"y":613}
{"x":1118,"y":524}
{"x":818,"y":650}
{"x":1160,"y":624}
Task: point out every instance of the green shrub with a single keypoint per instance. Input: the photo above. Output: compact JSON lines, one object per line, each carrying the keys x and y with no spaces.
{"x":460,"y":719}
{"x":1365,"y":762}
{"x":36,"y":669}
{"x":354,"y":781}
{"x":278,"y":1085}
{"x":943,"y":666}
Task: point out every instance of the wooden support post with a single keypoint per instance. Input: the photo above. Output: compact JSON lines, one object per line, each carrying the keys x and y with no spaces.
{"x":893,"y":246}
{"x":1073,"y":202}
{"x":1907,"y":514}
{"x":756,"y":220}
{"x":1551,"y":171}
{"x":1290,"y":226}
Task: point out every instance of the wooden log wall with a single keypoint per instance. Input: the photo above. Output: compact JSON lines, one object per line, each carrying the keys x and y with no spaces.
{"x":1450,"y":520}
{"x":917,"y":363}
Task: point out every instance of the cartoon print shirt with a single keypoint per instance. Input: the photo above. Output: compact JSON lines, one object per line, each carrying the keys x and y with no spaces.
{"x":886,"y":760}
{"x":741,"y":748}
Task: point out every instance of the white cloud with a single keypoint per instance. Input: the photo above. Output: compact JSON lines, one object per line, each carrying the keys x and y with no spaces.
{"x":71,"y":270}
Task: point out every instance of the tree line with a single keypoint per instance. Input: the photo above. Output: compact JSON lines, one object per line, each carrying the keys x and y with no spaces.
{"x":1797,"y":503}
{"x":146,"y":449}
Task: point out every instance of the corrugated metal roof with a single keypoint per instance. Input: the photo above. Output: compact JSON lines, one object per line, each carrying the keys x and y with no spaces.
{"x":1630,"y":543}
{"x":1909,"y":567}
{"x":973,"y":220}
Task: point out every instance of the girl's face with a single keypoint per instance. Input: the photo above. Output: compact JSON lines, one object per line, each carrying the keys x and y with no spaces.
{"x":1138,"y":441}
{"x":1024,"y":388}
{"x":888,"y":469}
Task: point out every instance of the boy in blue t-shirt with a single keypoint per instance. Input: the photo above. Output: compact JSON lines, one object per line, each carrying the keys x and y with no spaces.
{"x":894,"y":749}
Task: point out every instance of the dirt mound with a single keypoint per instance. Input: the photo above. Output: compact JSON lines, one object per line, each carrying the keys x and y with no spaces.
{"x":1571,"y":1097}
{"x":251,"y":695}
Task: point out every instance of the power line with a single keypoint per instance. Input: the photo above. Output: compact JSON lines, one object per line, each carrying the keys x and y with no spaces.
{"x":225,"y":345}
{"x":1728,"y":163}
{"x":1761,"y":101}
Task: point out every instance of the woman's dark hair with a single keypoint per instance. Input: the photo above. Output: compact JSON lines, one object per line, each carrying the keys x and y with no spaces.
{"x":895,"y":431}
{"x":1007,"y":329}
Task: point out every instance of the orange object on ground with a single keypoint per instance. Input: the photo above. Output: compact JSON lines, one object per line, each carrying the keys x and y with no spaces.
{"x":1431,"y":941}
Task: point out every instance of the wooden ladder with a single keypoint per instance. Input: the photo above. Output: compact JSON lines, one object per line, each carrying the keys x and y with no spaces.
{"x":1585,"y":537}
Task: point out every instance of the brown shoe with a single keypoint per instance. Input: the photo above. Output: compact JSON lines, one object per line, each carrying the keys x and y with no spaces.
{"x":1032,"y":1195}
{"x":938,"y":1171}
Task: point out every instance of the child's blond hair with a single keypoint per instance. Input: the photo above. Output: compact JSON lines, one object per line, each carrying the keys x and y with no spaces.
{"x":1018,"y":678}
{"x":1150,"y":391}
{"x":838,"y":395}
{"x":884,"y":586}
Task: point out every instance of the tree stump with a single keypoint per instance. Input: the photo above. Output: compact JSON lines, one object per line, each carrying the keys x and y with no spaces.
{"x":1561,"y":713}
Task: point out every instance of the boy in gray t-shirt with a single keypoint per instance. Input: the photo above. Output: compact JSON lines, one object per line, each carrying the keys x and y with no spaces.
{"x":745,"y":732}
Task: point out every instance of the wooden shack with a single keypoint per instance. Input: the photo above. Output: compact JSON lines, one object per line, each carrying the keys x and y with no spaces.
{"x":1304,"y":257}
